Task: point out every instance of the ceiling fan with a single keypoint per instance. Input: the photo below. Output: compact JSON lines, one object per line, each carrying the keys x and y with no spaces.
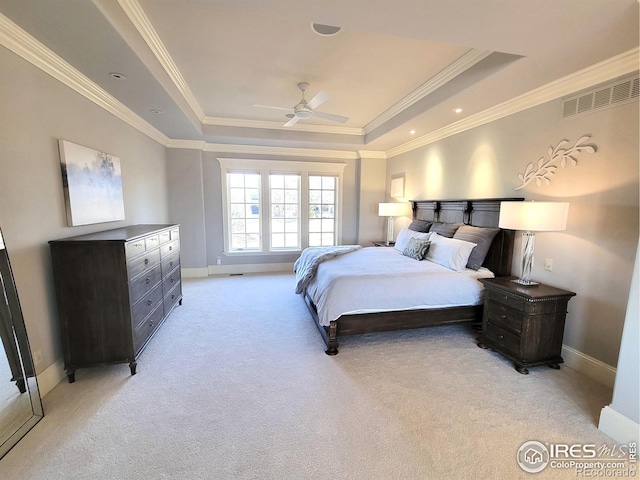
{"x":305,"y":109}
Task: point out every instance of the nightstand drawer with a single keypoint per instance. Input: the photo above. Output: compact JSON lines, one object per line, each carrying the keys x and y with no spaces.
{"x":503,"y":338}
{"x":505,"y":317}
{"x":505,"y":299}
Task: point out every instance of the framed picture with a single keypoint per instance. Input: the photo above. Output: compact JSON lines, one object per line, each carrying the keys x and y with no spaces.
{"x":397,"y":187}
{"x":92,"y":183}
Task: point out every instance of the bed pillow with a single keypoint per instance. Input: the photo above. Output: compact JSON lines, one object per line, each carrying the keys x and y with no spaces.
{"x":420,"y":225}
{"x":416,"y":249}
{"x":449,"y":252}
{"x":482,"y":237}
{"x":445,"y":229}
{"x":405,"y":234}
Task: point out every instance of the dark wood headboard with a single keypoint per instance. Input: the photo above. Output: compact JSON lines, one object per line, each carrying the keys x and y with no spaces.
{"x":479,"y":213}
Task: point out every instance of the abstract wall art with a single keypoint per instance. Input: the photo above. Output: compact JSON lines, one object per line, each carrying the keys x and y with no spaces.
{"x":92,"y":183}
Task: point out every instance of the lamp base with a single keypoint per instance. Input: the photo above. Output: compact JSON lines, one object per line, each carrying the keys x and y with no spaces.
{"x":525,"y":283}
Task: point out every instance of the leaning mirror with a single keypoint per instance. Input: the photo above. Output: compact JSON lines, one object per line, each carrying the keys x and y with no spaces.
{"x":20,"y":405}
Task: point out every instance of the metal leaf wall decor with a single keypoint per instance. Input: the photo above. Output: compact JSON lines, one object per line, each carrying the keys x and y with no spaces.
{"x":547,"y":166}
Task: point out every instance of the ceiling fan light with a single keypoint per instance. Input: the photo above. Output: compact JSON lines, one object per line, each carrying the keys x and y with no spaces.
{"x":325,"y":30}
{"x":303,"y":114}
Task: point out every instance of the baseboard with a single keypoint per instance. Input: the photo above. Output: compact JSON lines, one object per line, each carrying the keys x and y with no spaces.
{"x":617,"y":426}
{"x":51,"y":376}
{"x":589,"y":366}
{"x":250,"y":268}
{"x":194,"y":272}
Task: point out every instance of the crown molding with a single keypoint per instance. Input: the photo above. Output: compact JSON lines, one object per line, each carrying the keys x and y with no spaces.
{"x":34,"y":52}
{"x":242,"y":123}
{"x":279,"y":151}
{"x":462,"y":64}
{"x":141,"y":22}
{"x":604,"y":71}
{"x":373,"y":153}
{"x":186,"y":144}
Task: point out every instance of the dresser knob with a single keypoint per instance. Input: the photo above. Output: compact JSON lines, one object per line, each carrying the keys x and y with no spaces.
{"x":503,"y":316}
{"x":500,"y":337}
{"x":170,"y":247}
{"x":173,"y":296}
{"x":151,"y":323}
{"x":146,"y":261}
{"x":172,"y":280}
{"x":148,"y":280}
{"x":149,"y":302}
{"x":171,"y":264}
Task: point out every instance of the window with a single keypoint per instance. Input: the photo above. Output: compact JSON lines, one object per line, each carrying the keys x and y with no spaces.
{"x":322,"y":211}
{"x":244,"y":209}
{"x":285,"y":207}
{"x":300,"y":206}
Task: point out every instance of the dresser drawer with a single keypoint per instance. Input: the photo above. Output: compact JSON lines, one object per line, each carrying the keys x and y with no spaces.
{"x":172,"y":297}
{"x":504,"y":316}
{"x":142,"y":263}
{"x":175,"y":234}
{"x":145,"y":305}
{"x":169,"y":248}
{"x":503,"y":338}
{"x":142,"y":284}
{"x":169,"y":263}
{"x":503,"y":298}
{"x":165,"y":236}
{"x":171,"y":280}
{"x":134,"y":248}
{"x":151,"y":242}
{"x":142,"y":331}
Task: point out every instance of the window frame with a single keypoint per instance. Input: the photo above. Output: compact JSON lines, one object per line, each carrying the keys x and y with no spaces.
{"x":278,"y":167}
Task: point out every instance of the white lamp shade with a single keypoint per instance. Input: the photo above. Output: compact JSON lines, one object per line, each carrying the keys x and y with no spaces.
{"x":534,"y":216}
{"x":395,"y":209}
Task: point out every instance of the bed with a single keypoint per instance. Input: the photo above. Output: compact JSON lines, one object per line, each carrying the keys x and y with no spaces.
{"x":335,"y":316}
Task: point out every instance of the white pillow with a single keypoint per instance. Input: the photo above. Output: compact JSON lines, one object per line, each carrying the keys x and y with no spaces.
{"x":405,"y":234}
{"x":449,"y":252}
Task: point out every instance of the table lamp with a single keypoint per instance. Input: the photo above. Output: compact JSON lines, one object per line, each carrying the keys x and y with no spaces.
{"x":391,"y":210}
{"x":531,"y":217}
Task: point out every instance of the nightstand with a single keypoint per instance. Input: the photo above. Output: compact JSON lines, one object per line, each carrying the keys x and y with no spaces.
{"x":384,"y":244}
{"x":525,"y":324}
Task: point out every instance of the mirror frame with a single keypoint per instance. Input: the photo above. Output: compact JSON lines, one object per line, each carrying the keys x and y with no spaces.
{"x":19,"y":341}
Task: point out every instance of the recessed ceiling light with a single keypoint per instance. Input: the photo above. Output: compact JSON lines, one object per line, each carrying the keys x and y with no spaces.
{"x":325,"y":30}
{"x":156,"y":111}
{"x":412,"y":132}
{"x":457,"y":110}
{"x":118,"y":76}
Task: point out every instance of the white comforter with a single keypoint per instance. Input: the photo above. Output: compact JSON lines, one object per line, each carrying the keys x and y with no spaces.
{"x":376,"y":279}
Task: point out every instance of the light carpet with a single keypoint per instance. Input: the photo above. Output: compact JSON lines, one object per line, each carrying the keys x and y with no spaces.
{"x":236,"y":385}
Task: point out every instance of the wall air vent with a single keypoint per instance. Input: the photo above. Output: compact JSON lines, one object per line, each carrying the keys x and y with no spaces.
{"x":612,"y":94}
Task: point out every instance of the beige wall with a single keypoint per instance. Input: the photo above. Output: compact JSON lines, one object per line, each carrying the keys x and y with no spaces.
{"x":36,"y":111}
{"x":594,"y":256}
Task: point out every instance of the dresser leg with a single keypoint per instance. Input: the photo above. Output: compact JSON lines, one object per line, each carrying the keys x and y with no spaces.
{"x":482,"y":345}
{"x":555,"y":366}
{"x":132,"y":367}
{"x":71,"y":375}
{"x":522,"y":370}
{"x":21,"y":385}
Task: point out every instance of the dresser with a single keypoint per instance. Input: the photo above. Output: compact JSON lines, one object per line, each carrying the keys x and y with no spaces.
{"x":114,"y":289}
{"x":523,"y":323}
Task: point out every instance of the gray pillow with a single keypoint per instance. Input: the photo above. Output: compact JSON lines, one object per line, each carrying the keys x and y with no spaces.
{"x":445,"y":229}
{"x":482,"y":237}
{"x":416,"y":249}
{"x":420,"y":226}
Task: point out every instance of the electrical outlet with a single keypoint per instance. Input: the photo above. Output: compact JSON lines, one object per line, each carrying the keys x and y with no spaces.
{"x":37,"y":357}
{"x":548,"y":264}
{"x":218,"y":260}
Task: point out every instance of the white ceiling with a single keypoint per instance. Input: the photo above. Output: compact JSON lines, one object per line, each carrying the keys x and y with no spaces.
{"x":396,"y":65}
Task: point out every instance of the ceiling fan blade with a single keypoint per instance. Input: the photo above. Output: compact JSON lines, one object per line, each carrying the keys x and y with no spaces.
{"x":291,"y":122}
{"x":272,"y":107}
{"x":330,"y":116}
{"x":318,"y":99}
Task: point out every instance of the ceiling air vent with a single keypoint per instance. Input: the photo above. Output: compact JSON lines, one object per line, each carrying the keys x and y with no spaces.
{"x":612,"y":94}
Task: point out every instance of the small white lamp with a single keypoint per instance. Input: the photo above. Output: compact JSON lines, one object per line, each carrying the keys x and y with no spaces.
{"x":532,"y":217}
{"x":391,"y":210}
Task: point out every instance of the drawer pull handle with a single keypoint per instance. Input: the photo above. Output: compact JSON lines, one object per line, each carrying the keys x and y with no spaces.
{"x":172,"y":280}
{"x":503,"y":316}
{"x":148,"y":280}
{"x":146,"y":261}
{"x":151,"y":323}
{"x":149,"y":302}
{"x":500,"y":337}
{"x":173,"y":296}
{"x":171,"y":264}
{"x":170,"y":247}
